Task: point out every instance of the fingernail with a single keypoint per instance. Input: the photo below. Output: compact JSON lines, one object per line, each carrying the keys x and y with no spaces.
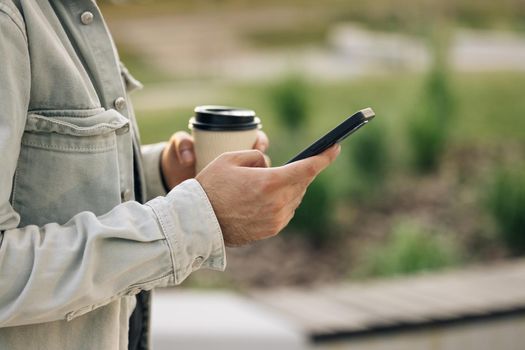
{"x":337,"y":149}
{"x":187,"y":156}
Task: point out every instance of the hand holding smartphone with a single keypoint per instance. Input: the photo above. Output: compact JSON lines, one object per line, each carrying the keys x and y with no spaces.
{"x":337,"y":134}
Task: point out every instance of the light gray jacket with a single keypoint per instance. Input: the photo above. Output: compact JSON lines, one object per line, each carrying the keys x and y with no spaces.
{"x":75,"y":245}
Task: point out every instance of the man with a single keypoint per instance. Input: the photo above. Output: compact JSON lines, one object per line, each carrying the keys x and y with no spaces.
{"x":78,"y":250}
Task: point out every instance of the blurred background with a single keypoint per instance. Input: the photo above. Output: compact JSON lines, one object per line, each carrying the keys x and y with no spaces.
{"x":436,"y":181}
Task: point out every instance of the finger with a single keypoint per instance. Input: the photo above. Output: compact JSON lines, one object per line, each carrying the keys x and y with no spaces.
{"x":262,"y":143}
{"x":184,"y":148}
{"x":310,"y":167}
{"x":250,"y":158}
{"x":268,"y":160}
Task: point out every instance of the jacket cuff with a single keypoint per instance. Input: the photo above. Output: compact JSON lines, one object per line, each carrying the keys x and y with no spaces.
{"x":191,"y":229}
{"x":151,"y":164}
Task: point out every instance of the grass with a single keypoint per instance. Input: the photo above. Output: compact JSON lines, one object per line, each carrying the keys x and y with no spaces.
{"x":490,"y":108}
{"x":140,"y":68}
{"x":410,"y":248}
{"x":505,"y":201}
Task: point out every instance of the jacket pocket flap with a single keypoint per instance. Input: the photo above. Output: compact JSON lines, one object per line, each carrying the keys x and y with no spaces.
{"x":98,"y":124}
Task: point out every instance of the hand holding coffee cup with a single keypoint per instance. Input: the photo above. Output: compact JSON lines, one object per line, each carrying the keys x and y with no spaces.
{"x":219,"y":129}
{"x":178,"y":159}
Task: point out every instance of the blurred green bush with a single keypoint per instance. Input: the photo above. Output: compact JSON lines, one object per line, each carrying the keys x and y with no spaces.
{"x":290,"y":101}
{"x":410,"y":248}
{"x":506,"y":203}
{"x":313,"y":219}
{"x":429,"y":126}
{"x":369,"y":156}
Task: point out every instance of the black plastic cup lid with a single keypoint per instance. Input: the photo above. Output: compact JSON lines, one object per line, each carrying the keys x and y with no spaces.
{"x":221,"y":118}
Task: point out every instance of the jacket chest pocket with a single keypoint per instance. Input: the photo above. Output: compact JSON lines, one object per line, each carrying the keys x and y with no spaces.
{"x":68,"y":164}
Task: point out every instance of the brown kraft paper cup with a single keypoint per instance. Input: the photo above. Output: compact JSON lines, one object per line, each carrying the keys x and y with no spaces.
{"x":220,"y":129}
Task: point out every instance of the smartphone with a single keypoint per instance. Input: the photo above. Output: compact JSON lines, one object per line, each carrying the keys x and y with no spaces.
{"x":337,"y":134}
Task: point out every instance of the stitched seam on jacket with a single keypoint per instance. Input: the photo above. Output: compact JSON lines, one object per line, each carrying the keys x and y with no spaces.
{"x":141,"y":285}
{"x":72,"y":113}
{"x":218,"y":229}
{"x":85,"y":309}
{"x":15,"y":18}
{"x":65,"y":149}
{"x":87,"y":129}
{"x":160,"y":218}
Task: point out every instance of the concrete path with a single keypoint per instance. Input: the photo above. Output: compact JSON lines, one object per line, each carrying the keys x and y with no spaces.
{"x":192,"y":320}
{"x":481,"y":308}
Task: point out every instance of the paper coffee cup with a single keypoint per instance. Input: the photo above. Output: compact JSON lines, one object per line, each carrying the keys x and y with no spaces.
{"x":220,"y":129}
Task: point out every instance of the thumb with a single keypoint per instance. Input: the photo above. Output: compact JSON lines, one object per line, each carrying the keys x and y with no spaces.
{"x":312,"y":166}
{"x":250,"y":158}
{"x":184,"y":147}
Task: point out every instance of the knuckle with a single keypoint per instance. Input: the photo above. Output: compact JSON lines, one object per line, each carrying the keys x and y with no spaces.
{"x":219,"y":159}
{"x":225,"y":156}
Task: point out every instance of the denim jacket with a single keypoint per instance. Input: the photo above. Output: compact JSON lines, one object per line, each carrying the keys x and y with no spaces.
{"x":76,"y":244}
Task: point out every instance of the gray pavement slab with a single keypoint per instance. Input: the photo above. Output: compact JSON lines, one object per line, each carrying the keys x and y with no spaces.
{"x":218,"y":320}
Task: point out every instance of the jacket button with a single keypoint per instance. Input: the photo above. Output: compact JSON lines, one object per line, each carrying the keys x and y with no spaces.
{"x":197,"y":262}
{"x":86,"y":18}
{"x":120,"y":103}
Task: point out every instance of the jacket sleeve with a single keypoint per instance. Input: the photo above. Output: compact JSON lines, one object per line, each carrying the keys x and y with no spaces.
{"x":58,"y":272}
{"x":151,"y":163}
